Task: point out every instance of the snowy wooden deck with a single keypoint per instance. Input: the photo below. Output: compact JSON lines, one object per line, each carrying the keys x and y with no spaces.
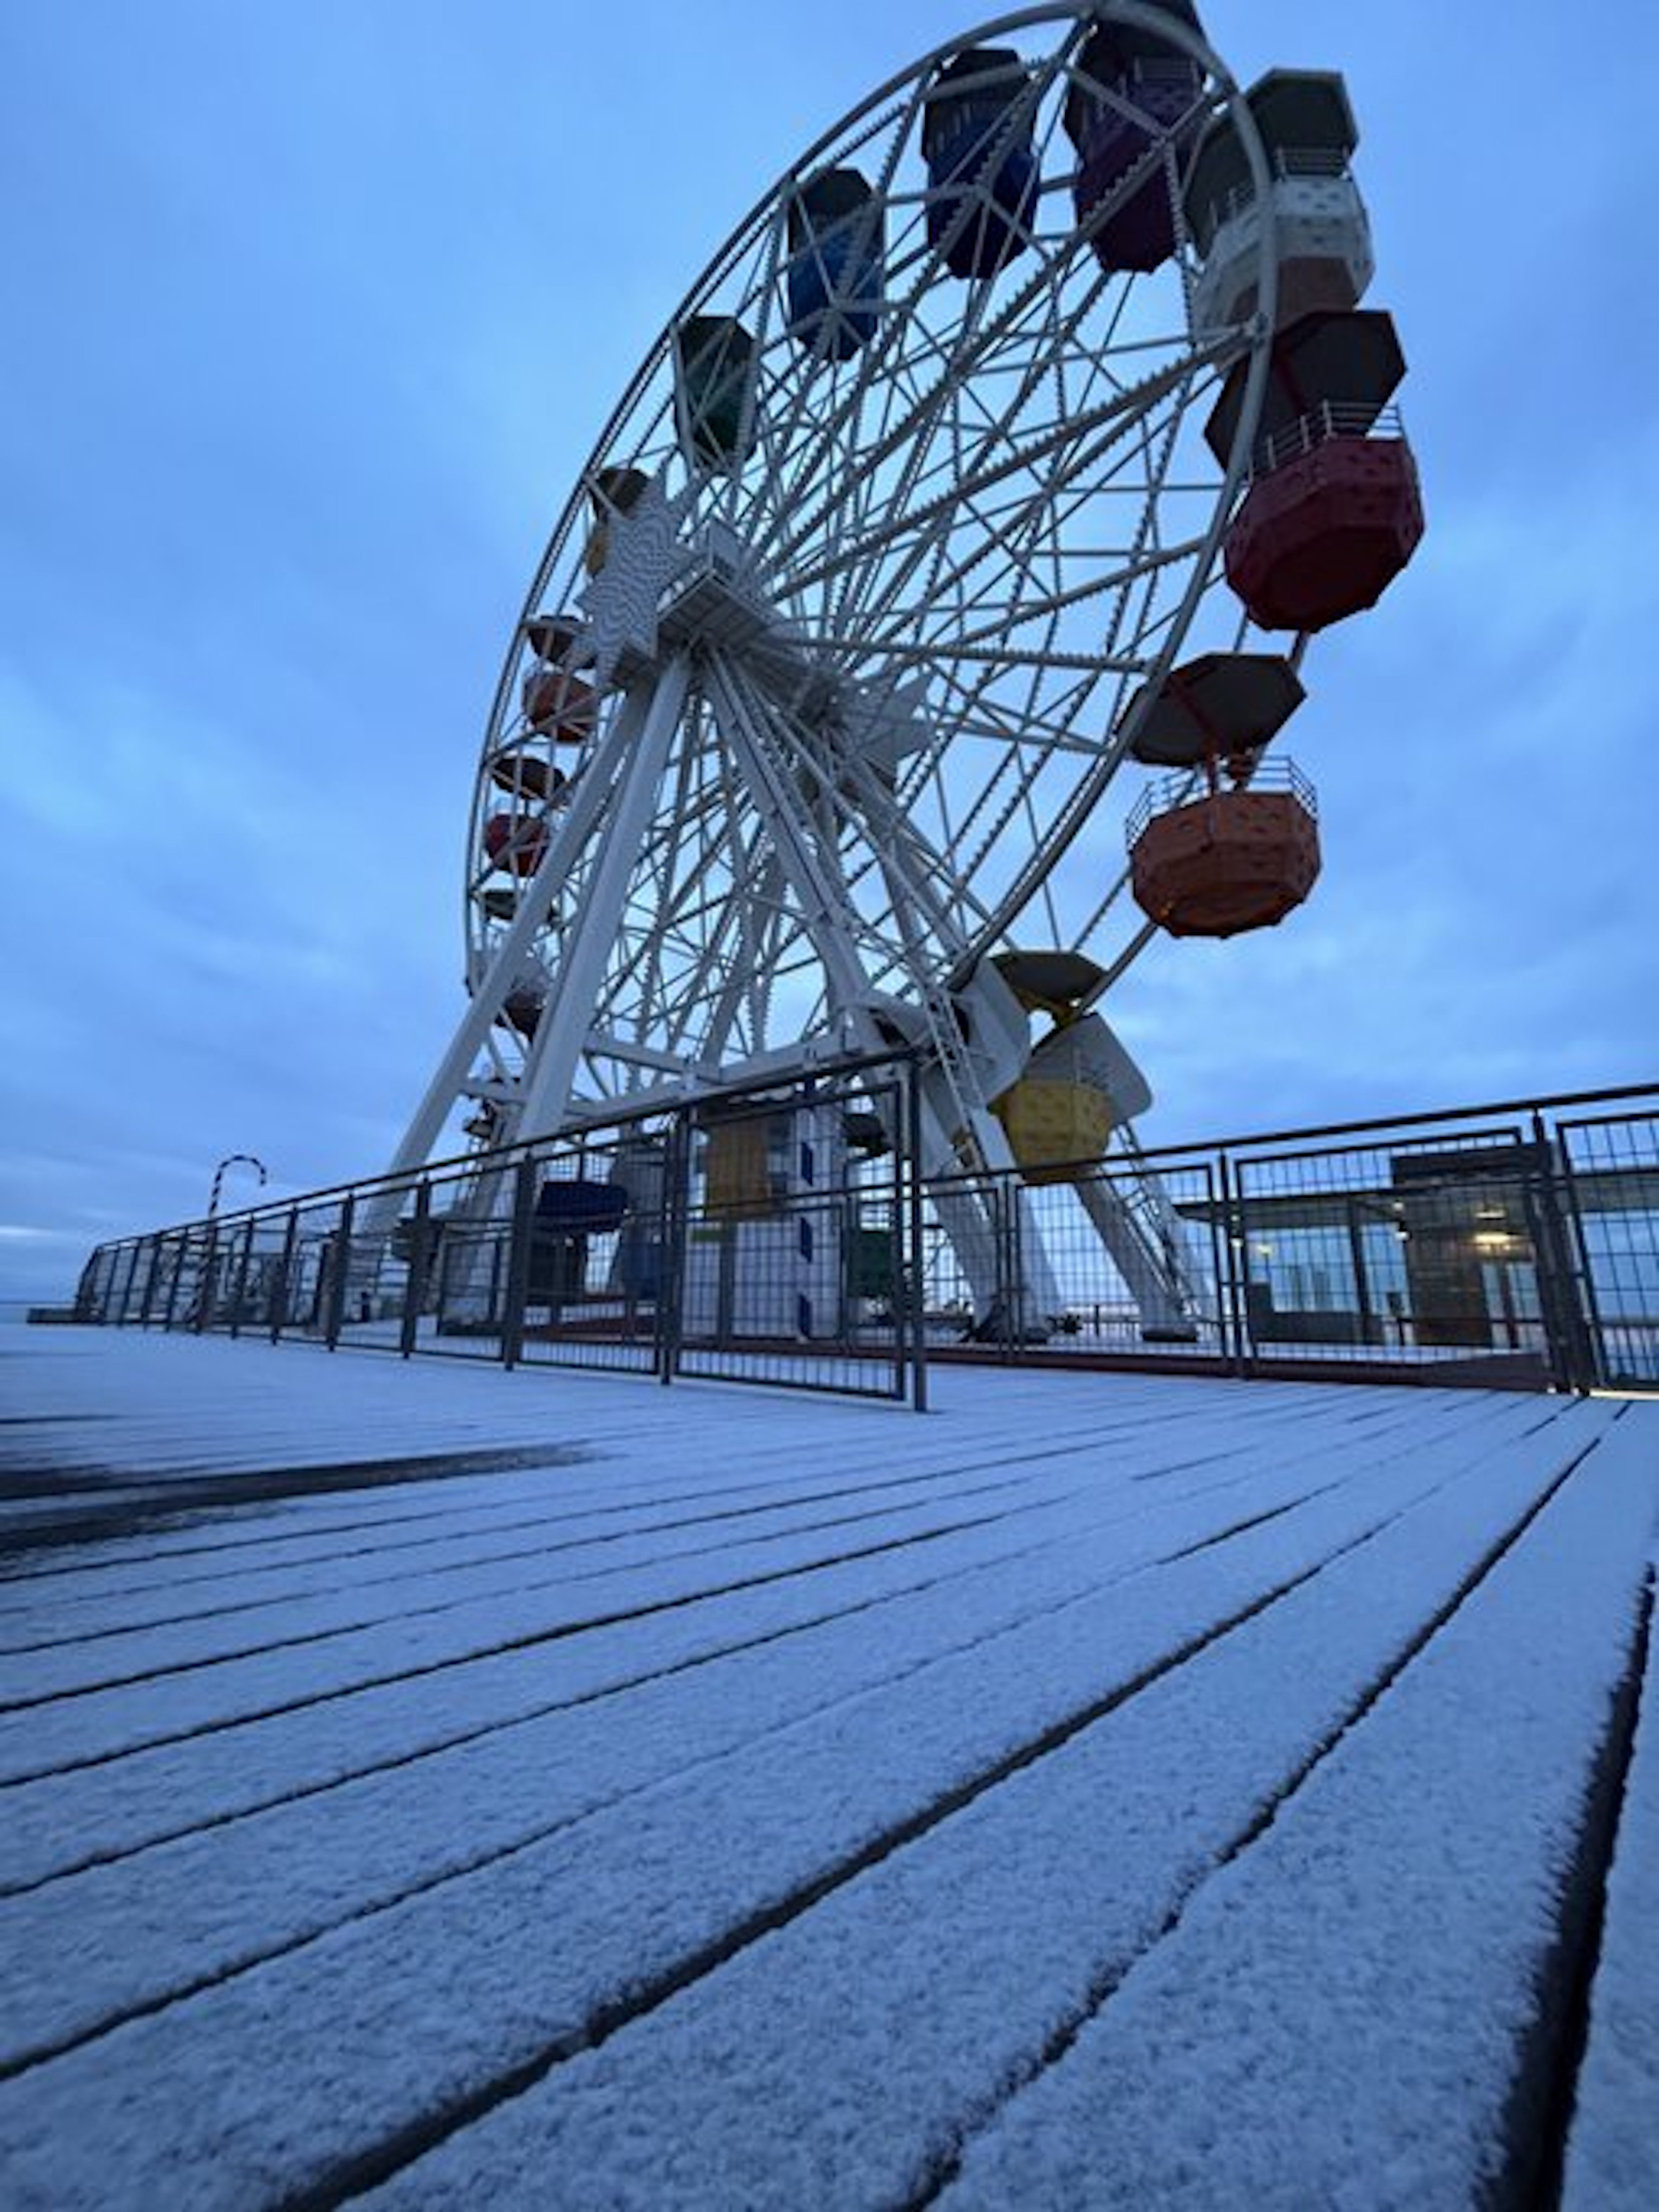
{"x":546,"y":1789}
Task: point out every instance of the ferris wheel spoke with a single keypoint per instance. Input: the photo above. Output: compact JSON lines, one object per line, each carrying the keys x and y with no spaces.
{"x":865,"y":822}
{"x":950,"y":372}
{"x":910,"y":320}
{"x":734,"y":977}
{"x":734,"y":955}
{"x":1030,"y":510}
{"x":794,"y":435}
{"x":958,"y":354}
{"x":809,"y":872}
{"x":1116,"y":410}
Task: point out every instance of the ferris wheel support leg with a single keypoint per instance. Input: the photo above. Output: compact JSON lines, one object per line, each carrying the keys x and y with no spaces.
{"x":1153,"y":1281}
{"x":566,"y":1014}
{"x":1006,"y":1267}
{"x":993,"y":1231}
{"x":575,"y":823}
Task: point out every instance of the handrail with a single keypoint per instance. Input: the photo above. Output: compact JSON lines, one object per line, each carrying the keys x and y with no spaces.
{"x":1287,"y":163}
{"x":1548,"y":1103}
{"x":236,"y":1274}
{"x":1187,"y":789}
{"x":1331,"y":418}
{"x":500,"y":1158}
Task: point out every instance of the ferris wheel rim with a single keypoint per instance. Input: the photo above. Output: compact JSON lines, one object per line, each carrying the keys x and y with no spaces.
{"x":1133,"y":12}
{"x":997,"y":922}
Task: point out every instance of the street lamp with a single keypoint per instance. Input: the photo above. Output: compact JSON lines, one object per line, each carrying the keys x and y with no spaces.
{"x":230,"y":1160}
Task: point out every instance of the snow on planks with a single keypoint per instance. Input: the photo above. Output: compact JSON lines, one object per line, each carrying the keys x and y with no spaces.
{"x":785,"y":1802}
{"x":1613,"y":2150}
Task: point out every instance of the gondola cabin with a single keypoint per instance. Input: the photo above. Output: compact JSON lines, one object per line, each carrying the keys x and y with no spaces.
{"x":557,"y":704}
{"x":616,"y":491}
{"x":1333,"y":512}
{"x":714,"y":358}
{"x":982,"y":170}
{"x":1323,"y":239}
{"x":1224,"y":860}
{"x":516,"y":843}
{"x":526,"y":775}
{"x":1131,"y":111}
{"x":521,"y":1011}
{"x":833,"y":279}
{"x":1225,"y":706}
{"x":569,"y":1211}
{"x":1077,"y":1085}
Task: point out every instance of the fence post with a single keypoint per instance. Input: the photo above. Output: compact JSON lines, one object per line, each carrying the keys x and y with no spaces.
{"x":516,"y":1295}
{"x":174,"y":1280}
{"x":1571,"y":1355}
{"x":1361,"y":1278}
{"x":1013,"y":1262}
{"x":913,"y":1288}
{"x":416,"y":1267}
{"x":1238,"y":1267}
{"x":154,"y":1270}
{"x":1601,"y":1363}
{"x":674,"y":1245}
{"x":126,"y":1286}
{"x":199,"y":1321}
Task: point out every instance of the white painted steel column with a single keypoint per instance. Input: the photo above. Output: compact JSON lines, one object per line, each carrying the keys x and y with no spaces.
{"x":1146,"y":1278}
{"x":576,"y":823}
{"x":568,"y":1012}
{"x":824,"y":906}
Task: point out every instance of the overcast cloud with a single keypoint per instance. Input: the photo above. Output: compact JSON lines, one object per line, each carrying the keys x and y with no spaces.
{"x":314,"y":314}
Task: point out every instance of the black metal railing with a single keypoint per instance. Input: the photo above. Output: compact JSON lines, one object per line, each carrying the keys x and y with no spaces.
{"x":1331,"y":418}
{"x":740,"y":1236}
{"x":785,"y":1236}
{"x":1189,"y":787}
{"x":1514,"y":1245}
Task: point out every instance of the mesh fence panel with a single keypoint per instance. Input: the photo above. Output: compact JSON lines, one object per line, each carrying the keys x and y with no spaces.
{"x":1612,"y":1187}
{"x":1415,"y":1252}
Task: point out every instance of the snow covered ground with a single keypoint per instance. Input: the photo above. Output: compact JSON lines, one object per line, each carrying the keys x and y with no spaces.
{"x":458,"y":1787}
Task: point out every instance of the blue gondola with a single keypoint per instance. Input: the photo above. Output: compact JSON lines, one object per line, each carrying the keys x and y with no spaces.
{"x":976,"y":138}
{"x":833,"y":278}
{"x":577,"y":1205}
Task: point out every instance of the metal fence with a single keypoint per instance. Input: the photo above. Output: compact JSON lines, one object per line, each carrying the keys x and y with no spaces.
{"x":784,"y":1236}
{"x":757,"y":1236}
{"x":1507,"y":1246}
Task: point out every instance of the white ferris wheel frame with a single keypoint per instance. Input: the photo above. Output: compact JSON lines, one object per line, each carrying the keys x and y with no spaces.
{"x":727,"y":856}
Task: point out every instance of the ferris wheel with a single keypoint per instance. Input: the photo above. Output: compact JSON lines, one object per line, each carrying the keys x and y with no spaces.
{"x":950,"y":493}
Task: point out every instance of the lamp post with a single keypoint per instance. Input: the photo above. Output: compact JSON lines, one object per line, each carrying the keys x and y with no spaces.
{"x":230,"y":1160}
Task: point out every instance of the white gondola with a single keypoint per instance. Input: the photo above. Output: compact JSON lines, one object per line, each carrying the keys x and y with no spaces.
{"x":1322,"y":233}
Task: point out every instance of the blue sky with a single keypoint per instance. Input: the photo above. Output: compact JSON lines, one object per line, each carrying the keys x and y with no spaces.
{"x":315,"y":313}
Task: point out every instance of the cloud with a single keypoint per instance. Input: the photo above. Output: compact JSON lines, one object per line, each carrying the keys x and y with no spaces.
{"x":319,"y":328}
